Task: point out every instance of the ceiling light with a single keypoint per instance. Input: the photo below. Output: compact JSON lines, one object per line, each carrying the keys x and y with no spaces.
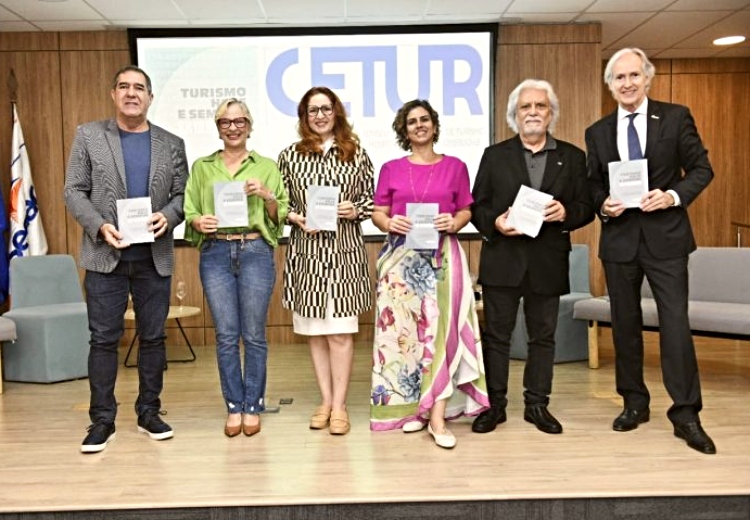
{"x":729,"y":40}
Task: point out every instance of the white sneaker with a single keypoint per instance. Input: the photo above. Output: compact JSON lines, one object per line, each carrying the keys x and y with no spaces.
{"x":444,"y":440}
{"x":415,"y":425}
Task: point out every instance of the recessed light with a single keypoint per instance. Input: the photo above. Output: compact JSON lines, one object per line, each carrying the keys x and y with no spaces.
{"x":729,"y":40}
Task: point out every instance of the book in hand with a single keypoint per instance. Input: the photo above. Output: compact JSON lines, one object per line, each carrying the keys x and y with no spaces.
{"x":322,"y":207}
{"x":230,"y":204}
{"x":527,"y":211}
{"x":133,"y":217}
{"x":423,"y":233}
{"x":628,"y":181}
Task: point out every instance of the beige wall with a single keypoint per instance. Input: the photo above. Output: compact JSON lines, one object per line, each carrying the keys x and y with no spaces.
{"x":64,"y":80}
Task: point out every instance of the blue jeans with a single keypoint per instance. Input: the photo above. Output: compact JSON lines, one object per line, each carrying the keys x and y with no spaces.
{"x":107,"y":299}
{"x":238,"y":279}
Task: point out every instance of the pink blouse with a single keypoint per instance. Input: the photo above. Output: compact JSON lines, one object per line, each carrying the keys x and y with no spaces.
{"x":445,"y":182}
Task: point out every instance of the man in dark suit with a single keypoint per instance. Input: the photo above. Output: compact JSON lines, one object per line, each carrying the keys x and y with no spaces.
{"x":654,"y":240}
{"x":125,"y":158}
{"x":514,"y":265}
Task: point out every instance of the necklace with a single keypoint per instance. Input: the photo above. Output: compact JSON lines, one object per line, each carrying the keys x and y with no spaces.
{"x":426,"y":187}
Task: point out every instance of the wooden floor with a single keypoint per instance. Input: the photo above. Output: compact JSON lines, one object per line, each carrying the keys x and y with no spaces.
{"x":41,"y":427}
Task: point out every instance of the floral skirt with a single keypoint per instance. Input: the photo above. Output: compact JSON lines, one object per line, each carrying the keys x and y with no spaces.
{"x":427,"y":342}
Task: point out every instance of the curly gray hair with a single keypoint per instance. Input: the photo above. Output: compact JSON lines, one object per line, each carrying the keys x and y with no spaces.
{"x":532,"y":84}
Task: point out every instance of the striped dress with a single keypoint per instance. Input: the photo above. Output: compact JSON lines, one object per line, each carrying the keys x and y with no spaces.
{"x":327,"y":264}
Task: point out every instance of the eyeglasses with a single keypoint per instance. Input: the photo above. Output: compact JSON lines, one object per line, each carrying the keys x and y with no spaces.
{"x":240,"y":122}
{"x":327,"y":110}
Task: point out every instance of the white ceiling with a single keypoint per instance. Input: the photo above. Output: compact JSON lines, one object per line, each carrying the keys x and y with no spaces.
{"x":663,"y":28}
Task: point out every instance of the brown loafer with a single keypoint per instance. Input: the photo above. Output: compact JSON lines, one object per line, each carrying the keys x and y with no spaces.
{"x":339,"y":424}
{"x":319,"y":419}
{"x":232,"y":431}
{"x":250,"y":430}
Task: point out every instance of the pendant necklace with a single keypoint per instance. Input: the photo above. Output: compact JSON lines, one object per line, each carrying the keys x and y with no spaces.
{"x":426,"y":187}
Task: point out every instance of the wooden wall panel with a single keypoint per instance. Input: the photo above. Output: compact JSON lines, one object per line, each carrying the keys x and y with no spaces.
{"x":29,"y":41}
{"x":714,"y":100}
{"x":550,"y":34}
{"x":39,"y":106}
{"x":94,"y":40}
{"x":716,"y":66}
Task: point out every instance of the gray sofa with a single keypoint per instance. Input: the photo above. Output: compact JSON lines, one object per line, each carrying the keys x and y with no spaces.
{"x":7,"y":333}
{"x":570,"y":337}
{"x":719,"y":304}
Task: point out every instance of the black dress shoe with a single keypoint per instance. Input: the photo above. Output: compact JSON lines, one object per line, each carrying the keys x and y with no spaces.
{"x":696,"y":438}
{"x":488,"y":419}
{"x":629,"y":419}
{"x":542,"y":419}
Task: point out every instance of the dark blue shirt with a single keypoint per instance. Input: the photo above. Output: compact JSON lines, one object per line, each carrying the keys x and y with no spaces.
{"x":136,"y":151}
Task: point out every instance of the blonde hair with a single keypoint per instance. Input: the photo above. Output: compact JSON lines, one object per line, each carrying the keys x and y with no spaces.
{"x":225,"y":106}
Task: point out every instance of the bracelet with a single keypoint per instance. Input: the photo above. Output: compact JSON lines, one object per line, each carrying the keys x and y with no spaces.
{"x":271,"y":198}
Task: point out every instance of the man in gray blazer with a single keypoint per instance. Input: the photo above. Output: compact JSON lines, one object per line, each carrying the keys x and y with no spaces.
{"x":514,"y":265}
{"x":123,"y":158}
{"x":651,"y":240}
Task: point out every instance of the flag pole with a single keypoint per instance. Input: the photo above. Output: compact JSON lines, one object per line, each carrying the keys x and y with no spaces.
{"x":4,"y":224}
{"x":13,"y":86}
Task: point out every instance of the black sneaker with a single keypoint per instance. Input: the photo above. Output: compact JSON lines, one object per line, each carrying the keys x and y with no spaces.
{"x":99,"y":435}
{"x":157,"y":429}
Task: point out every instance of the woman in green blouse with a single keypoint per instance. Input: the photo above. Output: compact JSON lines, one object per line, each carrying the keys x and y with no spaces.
{"x":236,"y":257}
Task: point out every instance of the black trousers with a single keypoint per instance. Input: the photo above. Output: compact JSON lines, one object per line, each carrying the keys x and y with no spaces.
{"x":500,"y":311}
{"x":669,"y":284}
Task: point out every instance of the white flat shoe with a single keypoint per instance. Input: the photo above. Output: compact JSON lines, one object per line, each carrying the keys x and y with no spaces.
{"x":413,"y":426}
{"x":444,"y":440}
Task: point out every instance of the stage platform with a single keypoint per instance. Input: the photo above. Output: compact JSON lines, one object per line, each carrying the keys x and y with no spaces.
{"x":290,"y":472}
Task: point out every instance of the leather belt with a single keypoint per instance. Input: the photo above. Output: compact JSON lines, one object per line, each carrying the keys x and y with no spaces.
{"x":249,"y":235}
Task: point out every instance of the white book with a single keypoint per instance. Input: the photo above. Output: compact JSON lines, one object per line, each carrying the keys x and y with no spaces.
{"x":230,"y":204}
{"x":133,"y":220}
{"x":322,"y":207}
{"x":423,"y":233}
{"x":527,"y":211}
{"x":628,"y":181}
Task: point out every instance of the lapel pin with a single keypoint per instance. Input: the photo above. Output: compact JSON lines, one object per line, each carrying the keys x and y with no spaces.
{"x":654,"y":117}
{"x":559,"y":163}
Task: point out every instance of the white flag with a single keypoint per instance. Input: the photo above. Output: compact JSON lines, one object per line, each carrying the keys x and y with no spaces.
{"x":26,"y":231}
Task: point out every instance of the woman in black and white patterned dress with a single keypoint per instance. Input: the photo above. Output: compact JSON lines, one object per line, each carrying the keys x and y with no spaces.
{"x":326,"y":282}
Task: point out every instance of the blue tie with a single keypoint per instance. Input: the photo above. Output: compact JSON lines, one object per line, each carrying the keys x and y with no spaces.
{"x":634,"y":145}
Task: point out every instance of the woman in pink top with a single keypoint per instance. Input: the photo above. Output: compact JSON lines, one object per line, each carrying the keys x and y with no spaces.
{"x":427,"y":356}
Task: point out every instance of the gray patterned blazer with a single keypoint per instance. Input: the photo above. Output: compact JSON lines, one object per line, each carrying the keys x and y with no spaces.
{"x":95,"y":179}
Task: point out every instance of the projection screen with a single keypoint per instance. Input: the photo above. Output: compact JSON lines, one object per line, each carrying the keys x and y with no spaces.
{"x":374,"y":70}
